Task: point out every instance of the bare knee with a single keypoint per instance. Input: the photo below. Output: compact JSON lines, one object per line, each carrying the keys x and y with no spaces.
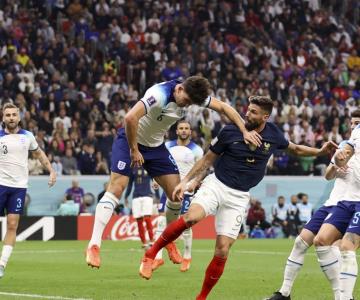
{"x":320,"y":241}
{"x":190,"y":218}
{"x":12,"y":225}
{"x":195,"y":214}
{"x":222,"y":249}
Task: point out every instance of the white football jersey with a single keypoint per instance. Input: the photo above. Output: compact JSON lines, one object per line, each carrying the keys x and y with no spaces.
{"x":14,"y":152}
{"x":185,"y":156}
{"x":161,"y":112}
{"x":340,"y":185}
{"x":353,"y":188}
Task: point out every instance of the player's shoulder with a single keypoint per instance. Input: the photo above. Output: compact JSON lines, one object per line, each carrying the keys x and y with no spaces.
{"x":273,"y":128}
{"x":2,"y":133}
{"x":195,"y":147}
{"x":230,"y":129}
{"x":170,"y":144}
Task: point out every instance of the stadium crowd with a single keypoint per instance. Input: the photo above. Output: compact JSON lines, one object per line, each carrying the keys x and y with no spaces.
{"x":76,"y":67}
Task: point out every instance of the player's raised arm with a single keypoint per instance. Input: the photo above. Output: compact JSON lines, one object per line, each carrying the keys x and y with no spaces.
{"x":221,"y":107}
{"x":41,"y":156}
{"x":301,"y":150}
{"x":196,"y":174}
{"x":131,"y":126}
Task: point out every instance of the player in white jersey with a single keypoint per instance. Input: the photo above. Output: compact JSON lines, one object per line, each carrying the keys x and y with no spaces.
{"x":142,"y":143}
{"x":186,"y":153}
{"x":346,"y":215}
{"x":15,"y":144}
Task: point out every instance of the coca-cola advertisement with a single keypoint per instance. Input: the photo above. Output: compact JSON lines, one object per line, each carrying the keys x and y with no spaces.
{"x":125,"y":228}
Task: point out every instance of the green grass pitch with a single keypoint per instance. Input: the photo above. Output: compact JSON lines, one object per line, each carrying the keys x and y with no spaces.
{"x":58,"y":270}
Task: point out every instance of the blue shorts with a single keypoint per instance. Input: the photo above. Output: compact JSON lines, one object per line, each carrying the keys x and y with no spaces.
{"x":12,"y":200}
{"x":158,"y":160}
{"x":185,"y":204}
{"x":345,"y":216}
{"x":317,"y":219}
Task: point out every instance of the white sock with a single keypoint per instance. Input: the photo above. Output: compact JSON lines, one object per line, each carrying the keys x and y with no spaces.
{"x":172,"y":210}
{"x":104,"y":211}
{"x":187,"y":235}
{"x":159,"y":230}
{"x":293,"y":265}
{"x":348,"y":274}
{"x":5,"y":254}
{"x":329,"y":263}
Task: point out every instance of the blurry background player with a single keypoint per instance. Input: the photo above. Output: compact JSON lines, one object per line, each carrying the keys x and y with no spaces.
{"x":142,"y":203}
{"x":15,"y":144}
{"x":142,"y":143}
{"x":186,"y":153}
{"x":225,"y":193}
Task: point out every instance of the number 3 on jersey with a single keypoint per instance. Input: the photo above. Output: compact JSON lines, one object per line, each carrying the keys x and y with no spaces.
{"x":4,"y":149}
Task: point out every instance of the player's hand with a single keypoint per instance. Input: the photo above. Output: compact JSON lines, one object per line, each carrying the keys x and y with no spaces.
{"x":52,"y":178}
{"x":178,"y":193}
{"x":252,"y":137}
{"x":136,"y":158}
{"x":342,"y":155}
{"x":328,"y":148}
{"x":342,"y":171}
{"x":192,"y":186}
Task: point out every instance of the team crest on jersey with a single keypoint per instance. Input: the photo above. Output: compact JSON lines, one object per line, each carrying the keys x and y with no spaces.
{"x":267,"y":147}
{"x":151,"y":100}
{"x":121,"y":165}
{"x":252,"y":147}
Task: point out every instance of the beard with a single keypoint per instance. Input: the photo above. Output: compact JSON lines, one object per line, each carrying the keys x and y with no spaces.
{"x":183,"y":137}
{"x":11,"y":126}
{"x":251,"y":125}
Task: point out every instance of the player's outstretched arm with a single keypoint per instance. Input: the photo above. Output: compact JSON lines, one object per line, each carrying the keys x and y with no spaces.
{"x":195,"y":175}
{"x":131,"y":126}
{"x":301,"y":150}
{"x":41,"y":156}
{"x":251,"y":137}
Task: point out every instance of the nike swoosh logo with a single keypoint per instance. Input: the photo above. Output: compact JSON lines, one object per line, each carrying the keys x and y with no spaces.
{"x":350,"y":226}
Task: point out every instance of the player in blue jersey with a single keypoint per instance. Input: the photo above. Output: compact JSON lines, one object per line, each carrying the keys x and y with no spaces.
{"x":328,"y":254}
{"x":142,"y":203}
{"x":186,"y":153}
{"x":142,"y":143}
{"x":225,"y":193}
{"x":15,"y":144}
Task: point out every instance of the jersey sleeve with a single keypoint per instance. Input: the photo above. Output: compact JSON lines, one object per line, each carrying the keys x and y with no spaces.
{"x":154,"y":97}
{"x":354,"y":140}
{"x":283,"y":142}
{"x":33,"y":143}
{"x":198,"y":152}
{"x":219,"y":144}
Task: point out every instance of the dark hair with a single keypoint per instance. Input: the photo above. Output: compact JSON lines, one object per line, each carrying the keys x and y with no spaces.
{"x":355,"y":113}
{"x":198,"y":89}
{"x":182,"y":121}
{"x":264,"y":102}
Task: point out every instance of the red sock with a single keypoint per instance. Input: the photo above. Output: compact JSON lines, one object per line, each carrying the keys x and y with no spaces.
{"x":212,"y":275}
{"x":141,"y":230}
{"x":149,"y":227}
{"x":171,"y":233}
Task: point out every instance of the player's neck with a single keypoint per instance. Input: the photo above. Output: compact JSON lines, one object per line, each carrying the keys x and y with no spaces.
{"x":12,"y":131}
{"x":260,"y":128}
{"x":183,"y":142}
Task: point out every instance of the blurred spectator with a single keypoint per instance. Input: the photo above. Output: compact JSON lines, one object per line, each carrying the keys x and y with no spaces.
{"x":69,"y":207}
{"x":256,"y":216}
{"x":76,"y":193}
{"x":102,"y":167}
{"x":101,"y":194}
{"x":293,"y":219}
{"x":69,"y":163}
{"x":305,"y":208}
{"x":279,"y":215}
{"x":57,"y":166}
{"x":87,"y":160}
{"x":89,"y":201}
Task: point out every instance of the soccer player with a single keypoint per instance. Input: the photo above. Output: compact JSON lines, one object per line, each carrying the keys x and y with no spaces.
{"x":15,"y":144}
{"x":306,"y":238}
{"x":345,"y":216}
{"x":225,"y":193}
{"x":142,"y":203}
{"x":186,"y":153}
{"x":142,"y":143}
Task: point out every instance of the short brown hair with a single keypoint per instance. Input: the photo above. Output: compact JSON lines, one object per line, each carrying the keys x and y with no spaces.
{"x":9,"y":105}
{"x":355,"y":113}
{"x":182,"y":121}
{"x":198,"y":89}
{"x":264,"y":102}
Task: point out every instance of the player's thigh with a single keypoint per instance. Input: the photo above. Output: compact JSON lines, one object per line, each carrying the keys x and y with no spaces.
{"x":195,"y":213}
{"x":117,"y":184}
{"x":327,"y":235}
{"x":147,"y":206}
{"x":307,"y":236}
{"x":3,"y":199}
{"x":168,"y":182}
{"x":136,"y":207}
{"x":223,"y":245}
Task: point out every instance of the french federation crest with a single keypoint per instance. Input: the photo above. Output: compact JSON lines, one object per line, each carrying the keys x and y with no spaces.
{"x":267,"y":147}
{"x":252,"y":147}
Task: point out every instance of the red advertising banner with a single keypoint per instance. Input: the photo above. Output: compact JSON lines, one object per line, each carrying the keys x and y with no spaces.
{"x":125,"y":228}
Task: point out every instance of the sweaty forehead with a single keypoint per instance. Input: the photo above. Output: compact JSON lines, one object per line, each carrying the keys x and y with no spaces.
{"x":10,"y":111}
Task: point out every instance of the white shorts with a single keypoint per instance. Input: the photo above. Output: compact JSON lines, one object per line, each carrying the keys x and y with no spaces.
{"x":142,"y":206}
{"x":227,"y":204}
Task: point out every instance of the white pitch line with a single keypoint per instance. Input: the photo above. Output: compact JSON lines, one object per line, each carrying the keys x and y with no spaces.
{"x":41,"y":296}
